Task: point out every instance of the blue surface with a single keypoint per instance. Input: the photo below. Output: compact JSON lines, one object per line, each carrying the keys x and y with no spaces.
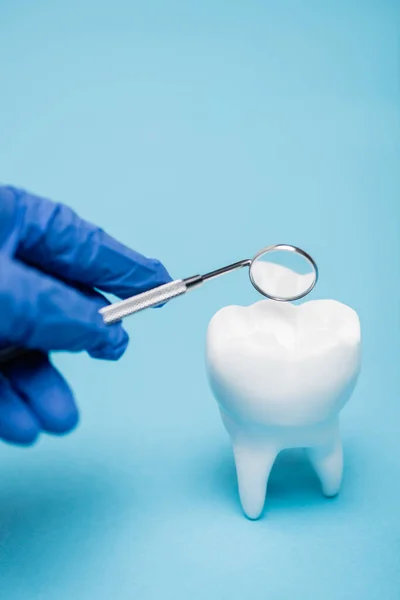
{"x":199,"y":132}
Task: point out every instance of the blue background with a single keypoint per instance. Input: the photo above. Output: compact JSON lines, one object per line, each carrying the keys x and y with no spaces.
{"x":199,"y":132}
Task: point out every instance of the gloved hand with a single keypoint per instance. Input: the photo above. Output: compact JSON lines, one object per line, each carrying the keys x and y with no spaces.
{"x":51,"y":265}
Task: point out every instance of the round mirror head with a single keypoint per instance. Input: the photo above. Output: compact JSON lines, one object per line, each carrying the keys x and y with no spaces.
{"x":283,"y":273}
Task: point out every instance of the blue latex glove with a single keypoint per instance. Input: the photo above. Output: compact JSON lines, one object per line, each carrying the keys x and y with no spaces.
{"x":51,"y":263}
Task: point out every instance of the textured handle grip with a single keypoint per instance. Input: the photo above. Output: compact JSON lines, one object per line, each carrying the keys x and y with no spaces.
{"x":119,"y":310}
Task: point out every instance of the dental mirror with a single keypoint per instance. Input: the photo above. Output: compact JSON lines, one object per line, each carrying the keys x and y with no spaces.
{"x":282,"y":272}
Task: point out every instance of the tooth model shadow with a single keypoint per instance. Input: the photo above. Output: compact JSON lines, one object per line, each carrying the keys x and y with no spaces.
{"x":281,"y":375}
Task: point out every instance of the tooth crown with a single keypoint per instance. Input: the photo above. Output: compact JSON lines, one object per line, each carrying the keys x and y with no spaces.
{"x":281,"y":364}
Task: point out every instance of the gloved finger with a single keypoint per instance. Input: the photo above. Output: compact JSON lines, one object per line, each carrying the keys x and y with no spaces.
{"x":18,"y":425}
{"x":54,"y":238}
{"x":42,"y":313}
{"x":10,"y":220}
{"x":45,"y":391}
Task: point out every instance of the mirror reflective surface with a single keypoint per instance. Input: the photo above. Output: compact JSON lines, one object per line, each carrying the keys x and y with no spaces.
{"x":283,"y":273}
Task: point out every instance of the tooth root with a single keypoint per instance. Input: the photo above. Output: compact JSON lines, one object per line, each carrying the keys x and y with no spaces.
{"x":253,"y":466}
{"x":328,"y":463}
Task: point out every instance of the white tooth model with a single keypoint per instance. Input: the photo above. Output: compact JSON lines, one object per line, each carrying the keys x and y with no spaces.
{"x":281,"y":374}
